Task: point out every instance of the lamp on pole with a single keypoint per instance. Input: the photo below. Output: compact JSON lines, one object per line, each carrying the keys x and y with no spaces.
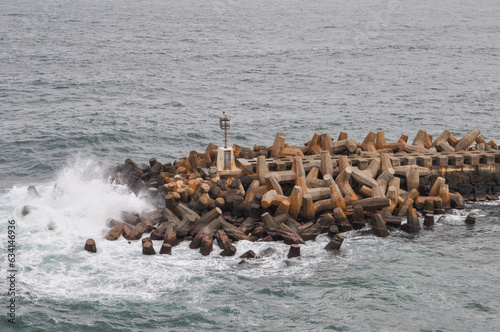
{"x":225,"y":124}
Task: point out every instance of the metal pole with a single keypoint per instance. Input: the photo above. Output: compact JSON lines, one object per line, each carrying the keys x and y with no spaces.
{"x":225,"y":135}
{"x":224,"y":124}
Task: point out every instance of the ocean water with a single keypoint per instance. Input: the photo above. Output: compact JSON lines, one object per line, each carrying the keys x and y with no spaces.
{"x":85,"y":85}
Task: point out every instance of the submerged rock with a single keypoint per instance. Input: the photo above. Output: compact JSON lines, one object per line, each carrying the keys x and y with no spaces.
{"x":90,"y":245}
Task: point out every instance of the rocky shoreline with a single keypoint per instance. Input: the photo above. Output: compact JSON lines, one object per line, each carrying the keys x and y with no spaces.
{"x":293,"y":194}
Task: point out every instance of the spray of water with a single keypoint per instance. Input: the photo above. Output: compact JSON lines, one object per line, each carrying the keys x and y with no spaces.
{"x":77,"y":204}
{"x":54,"y":268}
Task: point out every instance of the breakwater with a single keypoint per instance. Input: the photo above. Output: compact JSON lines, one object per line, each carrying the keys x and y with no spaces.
{"x":293,"y":194}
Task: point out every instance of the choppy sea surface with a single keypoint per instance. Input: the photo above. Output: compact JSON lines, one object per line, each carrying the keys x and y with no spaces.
{"x":91,"y":83}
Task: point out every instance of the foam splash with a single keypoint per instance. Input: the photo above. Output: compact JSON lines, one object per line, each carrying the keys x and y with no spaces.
{"x":77,"y":203}
{"x":53,"y":265}
{"x":75,"y":206}
{"x":485,"y":203}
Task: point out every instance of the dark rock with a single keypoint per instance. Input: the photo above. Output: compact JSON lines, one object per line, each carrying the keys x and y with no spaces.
{"x":294,"y":251}
{"x":152,"y":183}
{"x":358,"y":217}
{"x":138,"y":187}
{"x":481,"y":188}
{"x":266,"y":253}
{"x":233,"y":200}
{"x":156,"y":169}
{"x":206,"y":233}
{"x":457,"y":201}
{"x":252,"y":238}
{"x":413,"y":224}
{"x":429,"y":220}
{"x":228,"y":251}
{"x":267,"y":238}
{"x":166,"y":249}
{"x":456,"y":179}
{"x":215,"y":192}
{"x":159,"y":232}
{"x":480,"y":196}
{"x":379,"y":226}
{"x":392,"y":221}
{"x":471,"y":219}
{"x":115,"y":232}
{"x":246,"y":181}
{"x":250,"y":209}
{"x":438,"y":206}
{"x":326,"y":220}
{"x":341,"y":220}
{"x":132,"y":178}
{"x":147,"y":248}
{"x":259,"y":230}
{"x":169,"y":169}
{"x":335,"y":243}
{"x":170,"y":236}
{"x":90,"y":246}
{"x":289,"y":236}
{"x":469,"y":197}
{"x":234,"y":183}
{"x":258,"y":198}
{"x":223,"y":185}
{"x":32,"y":192}
{"x":152,"y":218}
{"x":246,"y":153}
{"x":428,"y":207}
{"x":248,"y":254}
{"x":146,"y":168}
{"x":26,"y":210}
{"x":111,"y":222}
{"x":145,"y":177}
{"x":161,"y":180}
{"x":127,"y":230}
{"x":483,"y":177}
{"x":222,"y":239}
{"x":136,"y":232}
{"x":152,"y":162}
{"x":311,"y":232}
{"x":124,"y":169}
{"x":207,"y":245}
{"x":248,"y":225}
{"x":465,"y":189}
{"x":333,"y":230}
{"x":425,"y":184}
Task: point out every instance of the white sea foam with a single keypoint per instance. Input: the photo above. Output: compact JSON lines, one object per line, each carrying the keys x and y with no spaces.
{"x":69,"y":210}
{"x":54,"y":267}
{"x":76,"y":205}
{"x":485,"y":203}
